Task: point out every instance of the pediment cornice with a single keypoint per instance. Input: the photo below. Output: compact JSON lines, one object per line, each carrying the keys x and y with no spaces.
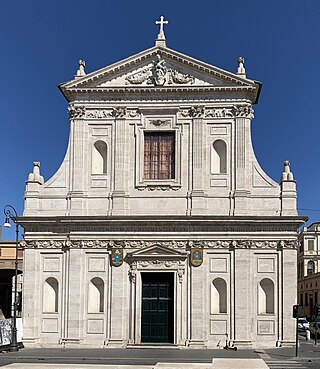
{"x":157,"y":252}
{"x":89,"y":84}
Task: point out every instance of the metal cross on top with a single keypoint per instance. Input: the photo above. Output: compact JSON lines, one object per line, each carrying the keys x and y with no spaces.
{"x":161,"y":22}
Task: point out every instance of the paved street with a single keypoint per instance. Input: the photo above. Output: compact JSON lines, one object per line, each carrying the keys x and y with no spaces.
{"x":145,"y":358}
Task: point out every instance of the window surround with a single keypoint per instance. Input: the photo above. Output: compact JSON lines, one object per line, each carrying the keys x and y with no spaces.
{"x":154,"y":120}
{"x":159,"y":155}
{"x":310,"y":241}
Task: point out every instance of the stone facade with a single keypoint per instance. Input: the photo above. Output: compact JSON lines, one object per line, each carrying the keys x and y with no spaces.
{"x":217,"y":224}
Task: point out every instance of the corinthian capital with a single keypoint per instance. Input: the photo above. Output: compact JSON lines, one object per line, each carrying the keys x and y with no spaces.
{"x":244,"y":111}
{"x":197,"y":111}
{"x":76,"y":112}
{"x":119,"y":112}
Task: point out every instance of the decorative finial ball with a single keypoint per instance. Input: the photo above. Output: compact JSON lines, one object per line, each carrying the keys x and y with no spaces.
{"x":82,"y":62}
{"x":287,"y":162}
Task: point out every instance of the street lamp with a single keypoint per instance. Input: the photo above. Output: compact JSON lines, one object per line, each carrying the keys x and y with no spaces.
{"x":11,"y":215}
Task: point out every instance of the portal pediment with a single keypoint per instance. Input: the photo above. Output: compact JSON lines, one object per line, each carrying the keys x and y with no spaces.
{"x":158,"y":67}
{"x":157,"y":252}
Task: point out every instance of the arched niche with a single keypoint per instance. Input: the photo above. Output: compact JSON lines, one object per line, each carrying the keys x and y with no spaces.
{"x":218,"y":296}
{"x":50,"y":295}
{"x":96,"y":295}
{"x":266,"y":296}
{"x":99,"y":158}
{"x":219,"y":157}
{"x":311,"y":267}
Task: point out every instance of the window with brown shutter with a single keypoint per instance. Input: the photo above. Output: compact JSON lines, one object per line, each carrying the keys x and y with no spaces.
{"x":159,"y":155}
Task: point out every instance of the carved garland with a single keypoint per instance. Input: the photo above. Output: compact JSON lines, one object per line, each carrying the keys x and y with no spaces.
{"x":117,"y":112}
{"x":143,"y":264}
{"x":232,"y":244}
{"x":160,"y":122}
{"x":198,"y":111}
{"x":241,"y":111}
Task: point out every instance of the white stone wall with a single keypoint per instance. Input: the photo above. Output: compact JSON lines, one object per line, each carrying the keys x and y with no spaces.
{"x":75,"y":219}
{"x":196,"y":323}
{"x":74,"y":190}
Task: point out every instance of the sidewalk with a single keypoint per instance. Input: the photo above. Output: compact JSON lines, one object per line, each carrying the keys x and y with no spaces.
{"x":148,"y":358}
{"x":139,"y":357}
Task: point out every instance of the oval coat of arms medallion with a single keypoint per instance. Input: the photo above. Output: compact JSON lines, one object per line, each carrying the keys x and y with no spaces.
{"x":196,"y":257}
{"x":117,"y":257}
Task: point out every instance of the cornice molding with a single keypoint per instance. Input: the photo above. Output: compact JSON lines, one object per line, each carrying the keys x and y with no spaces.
{"x":160,"y":224}
{"x":153,"y":89}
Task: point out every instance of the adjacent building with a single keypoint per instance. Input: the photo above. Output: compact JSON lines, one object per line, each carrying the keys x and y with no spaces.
{"x":7,"y":273}
{"x":160,"y":226}
{"x":308,"y":270}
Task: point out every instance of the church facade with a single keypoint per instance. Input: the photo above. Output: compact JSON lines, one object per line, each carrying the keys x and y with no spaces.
{"x":160,"y":226}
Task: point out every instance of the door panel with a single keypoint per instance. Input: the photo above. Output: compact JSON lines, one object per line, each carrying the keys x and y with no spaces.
{"x":157,"y":307}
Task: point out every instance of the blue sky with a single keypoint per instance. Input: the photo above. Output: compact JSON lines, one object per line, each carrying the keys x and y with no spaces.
{"x":41,"y":42}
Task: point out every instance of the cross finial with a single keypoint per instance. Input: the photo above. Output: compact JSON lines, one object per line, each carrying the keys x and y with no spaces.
{"x":161,"y":37}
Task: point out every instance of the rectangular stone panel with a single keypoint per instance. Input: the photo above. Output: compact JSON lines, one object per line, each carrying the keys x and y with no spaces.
{"x":95,"y":326}
{"x":50,"y":325}
{"x":96,"y":264}
{"x":218,"y":182}
{"x":218,"y":265}
{"x":99,"y":183}
{"x":265,"y":327}
{"x":218,"y":327}
{"x":51,"y":264}
{"x":103,"y":131}
{"x":266,"y":265}
{"x":218,"y":131}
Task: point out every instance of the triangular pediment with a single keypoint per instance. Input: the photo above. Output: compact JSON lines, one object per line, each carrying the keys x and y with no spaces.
{"x":158,"y":67}
{"x":157,"y":251}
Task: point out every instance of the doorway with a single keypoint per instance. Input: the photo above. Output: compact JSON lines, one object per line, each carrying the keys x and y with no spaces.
{"x":157,"y":316}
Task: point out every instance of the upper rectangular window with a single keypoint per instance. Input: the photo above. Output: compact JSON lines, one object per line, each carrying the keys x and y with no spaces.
{"x":310,"y":245}
{"x":159,"y":155}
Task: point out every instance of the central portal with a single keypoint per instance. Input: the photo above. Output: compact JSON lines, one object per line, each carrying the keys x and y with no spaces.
{"x":157,"y":307}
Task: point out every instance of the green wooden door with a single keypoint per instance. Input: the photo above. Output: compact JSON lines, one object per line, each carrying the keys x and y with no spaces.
{"x":157,"y":307}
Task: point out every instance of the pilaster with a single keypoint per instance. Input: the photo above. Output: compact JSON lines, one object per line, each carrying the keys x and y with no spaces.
{"x":243,"y":114}
{"x":120,"y":193}
{"x":198,"y":196}
{"x":77,"y":155}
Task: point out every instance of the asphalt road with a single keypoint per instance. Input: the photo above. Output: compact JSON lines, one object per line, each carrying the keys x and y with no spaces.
{"x":278,"y":358}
